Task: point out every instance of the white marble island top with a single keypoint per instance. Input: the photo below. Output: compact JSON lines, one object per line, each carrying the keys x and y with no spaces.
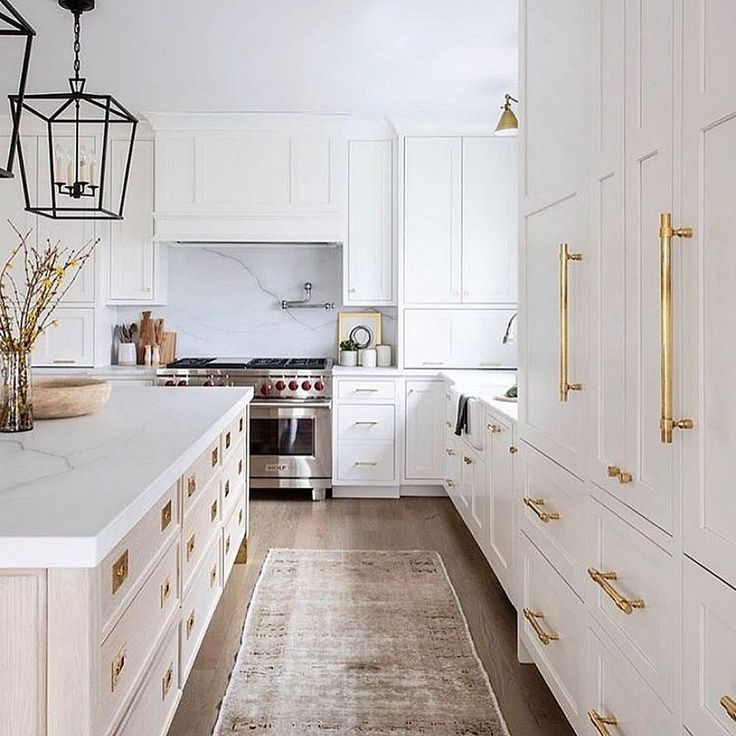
{"x":72,"y":488}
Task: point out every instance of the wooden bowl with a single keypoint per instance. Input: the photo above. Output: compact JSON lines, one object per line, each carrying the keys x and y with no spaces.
{"x":60,"y":398}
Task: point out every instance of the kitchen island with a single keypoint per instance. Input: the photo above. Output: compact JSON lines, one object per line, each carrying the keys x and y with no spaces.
{"x":117,"y":534}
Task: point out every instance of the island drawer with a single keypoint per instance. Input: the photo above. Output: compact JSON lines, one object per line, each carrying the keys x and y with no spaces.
{"x":122,"y":571}
{"x":232,"y":482}
{"x":154,"y":705}
{"x":202,"y":471}
{"x":197,"y":607}
{"x":232,"y":437}
{"x":363,"y":390}
{"x":233,"y":535}
{"x":198,"y":530}
{"x":127,"y":651}
{"x":366,"y":422}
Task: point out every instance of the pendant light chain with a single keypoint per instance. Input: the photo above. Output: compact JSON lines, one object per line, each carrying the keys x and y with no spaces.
{"x":77,"y":45}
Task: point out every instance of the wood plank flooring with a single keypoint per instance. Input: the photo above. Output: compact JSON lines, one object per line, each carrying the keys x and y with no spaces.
{"x":407,"y":523}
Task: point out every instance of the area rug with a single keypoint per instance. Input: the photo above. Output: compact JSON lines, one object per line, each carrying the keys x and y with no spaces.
{"x":361,"y":643}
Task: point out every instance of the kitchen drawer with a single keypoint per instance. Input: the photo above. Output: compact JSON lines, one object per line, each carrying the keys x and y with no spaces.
{"x":366,"y":462}
{"x":637,"y":605}
{"x":122,"y":571}
{"x":198,"y":530}
{"x":709,"y":643}
{"x":548,"y":490}
{"x":127,"y":651}
{"x":232,"y":437}
{"x":550,"y":605}
{"x":232,"y":536}
{"x":203,"y":469}
{"x":366,"y":390}
{"x":453,"y":471}
{"x":198,"y":605}
{"x":617,"y":692}
{"x":154,"y":706}
{"x":372,"y":422}
{"x":232,"y":483}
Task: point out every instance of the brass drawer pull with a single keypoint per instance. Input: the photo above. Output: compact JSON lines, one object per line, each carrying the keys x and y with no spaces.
{"x":370,"y":463}
{"x":213,"y":576}
{"x":545,"y":516}
{"x":190,"y":624}
{"x":615,"y":472}
{"x":168,"y":678}
{"x":565,"y":385}
{"x":365,"y":424}
{"x":627,"y":605}
{"x":366,"y":390}
{"x":191,"y":486}
{"x":227,"y":544}
{"x":118,"y":666}
{"x":120,"y":571}
{"x":165,"y":591}
{"x":467,"y":460}
{"x":213,"y":511}
{"x":215,"y":456}
{"x":240,"y":424}
{"x":166,"y":516}
{"x":228,"y":440}
{"x":729,"y":705}
{"x":190,"y":547}
{"x":450,"y":451}
{"x":600,"y":722}
{"x":240,"y":517}
{"x":240,"y":467}
{"x":495,"y":429}
{"x":533,"y":617}
{"x":513,"y":450}
{"x":227,"y":488}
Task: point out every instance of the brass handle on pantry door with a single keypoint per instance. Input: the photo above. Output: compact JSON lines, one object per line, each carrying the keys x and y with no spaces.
{"x":729,"y":705}
{"x":600,"y":722}
{"x":565,"y":385}
{"x":666,"y":233}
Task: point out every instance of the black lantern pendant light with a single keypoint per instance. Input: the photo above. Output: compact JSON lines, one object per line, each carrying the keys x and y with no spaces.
{"x":13,"y":24}
{"x":82,"y":181}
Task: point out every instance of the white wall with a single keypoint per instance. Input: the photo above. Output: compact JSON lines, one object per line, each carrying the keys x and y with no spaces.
{"x":440,"y":58}
{"x":227,"y":302}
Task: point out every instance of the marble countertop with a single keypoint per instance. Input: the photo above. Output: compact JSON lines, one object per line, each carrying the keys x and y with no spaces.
{"x":72,"y":488}
{"x":486,"y":386}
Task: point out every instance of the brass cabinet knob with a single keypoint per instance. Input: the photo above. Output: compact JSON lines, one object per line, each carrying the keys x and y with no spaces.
{"x":467,"y":460}
{"x":513,"y":450}
{"x":729,"y":705}
{"x":601,"y":722}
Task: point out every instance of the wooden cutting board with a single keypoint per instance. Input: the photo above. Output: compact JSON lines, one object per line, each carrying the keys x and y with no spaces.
{"x":168,"y":348}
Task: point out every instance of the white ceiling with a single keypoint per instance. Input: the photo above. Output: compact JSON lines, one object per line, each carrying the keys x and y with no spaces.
{"x":450,"y":59}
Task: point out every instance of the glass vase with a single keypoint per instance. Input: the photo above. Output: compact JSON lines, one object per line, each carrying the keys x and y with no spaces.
{"x":16,"y":394}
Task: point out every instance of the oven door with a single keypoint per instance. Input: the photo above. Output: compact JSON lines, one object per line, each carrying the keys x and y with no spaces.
{"x":290,"y":441}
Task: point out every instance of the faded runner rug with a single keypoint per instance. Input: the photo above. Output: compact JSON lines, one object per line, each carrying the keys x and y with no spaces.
{"x":361,"y":643}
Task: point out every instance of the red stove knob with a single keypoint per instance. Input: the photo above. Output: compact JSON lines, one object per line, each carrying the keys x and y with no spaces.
{"x":183,"y":383}
{"x":293,"y":385}
{"x":266,"y":389}
{"x":306,"y":385}
{"x":170,"y":382}
{"x":280,"y":385}
{"x":209,"y":382}
{"x":319,"y":386}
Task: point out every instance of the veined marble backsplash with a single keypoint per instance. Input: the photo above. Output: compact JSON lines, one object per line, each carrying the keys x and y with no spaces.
{"x":227,"y":301}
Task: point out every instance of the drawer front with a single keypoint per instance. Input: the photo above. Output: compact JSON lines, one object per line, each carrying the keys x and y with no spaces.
{"x":635,"y":600}
{"x":232,"y":437}
{"x":552,"y":510}
{"x":155,"y":704}
{"x":199,"y":528}
{"x":199,"y":475}
{"x":366,"y":462}
{"x":550,"y":623}
{"x":232,"y":536}
{"x":232,"y":483}
{"x":122,"y":571}
{"x":197,"y":608}
{"x":362,"y":423}
{"x":709,"y":641}
{"x":618,"y":693}
{"x":127,"y":651}
{"x":366,"y":390}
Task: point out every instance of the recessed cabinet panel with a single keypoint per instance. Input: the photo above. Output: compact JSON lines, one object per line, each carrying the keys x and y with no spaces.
{"x":175,"y":172}
{"x":312,"y":166}
{"x":425,"y":414}
{"x":70,"y":343}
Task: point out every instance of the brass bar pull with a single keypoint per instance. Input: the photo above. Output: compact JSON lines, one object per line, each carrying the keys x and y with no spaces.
{"x":666,"y":233}
{"x":533,"y":618}
{"x":118,"y":667}
{"x":166,"y":681}
{"x":366,"y":463}
{"x":627,"y":605}
{"x":601,"y":722}
{"x":545,"y":516}
{"x":120,"y":571}
{"x":565,"y":385}
{"x":729,"y":705}
{"x":615,"y":472}
{"x":365,"y":424}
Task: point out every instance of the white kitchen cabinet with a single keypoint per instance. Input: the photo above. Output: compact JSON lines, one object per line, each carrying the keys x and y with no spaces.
{"x":424,"y":430}
{"x":474,"y":491}
{"x":460,"y":338}
{"x":12,"y":202}
{"x":70,"y":343}
{"x":369,"y":251}
{"x":490,"y":201}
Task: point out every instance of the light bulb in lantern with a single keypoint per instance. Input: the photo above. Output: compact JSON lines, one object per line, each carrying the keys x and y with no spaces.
{"x":83,"y":166}
{"x":93,"y":171}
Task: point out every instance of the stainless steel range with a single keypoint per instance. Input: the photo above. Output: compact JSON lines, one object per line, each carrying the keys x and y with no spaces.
{"x":290,"y":418}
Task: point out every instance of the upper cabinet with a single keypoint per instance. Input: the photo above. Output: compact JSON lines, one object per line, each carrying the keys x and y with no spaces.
{"x":460,"y":233}
{"x":250,"y":178}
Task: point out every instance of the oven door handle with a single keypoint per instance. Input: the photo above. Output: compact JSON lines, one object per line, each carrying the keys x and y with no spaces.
{"x":292,"y":404}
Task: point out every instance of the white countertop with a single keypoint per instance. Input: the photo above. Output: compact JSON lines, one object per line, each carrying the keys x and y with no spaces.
{"x":72,"y":488}
{"x":486,"y":386}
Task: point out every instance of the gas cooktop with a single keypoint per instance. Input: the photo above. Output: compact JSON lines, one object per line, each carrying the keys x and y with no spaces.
{"x":317,"y":364}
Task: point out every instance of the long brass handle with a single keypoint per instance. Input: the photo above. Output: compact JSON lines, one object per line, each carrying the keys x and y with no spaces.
{"x":545,"y":516}
{"x":565,"y":385}
{"x":627,"y":605}
{"x":666,"y":233}
{"x":365,"y":424}
{"x":729,"y":705}
{"x":615,"y":472}
{"x":601,"y":722}
{"x":367,"y":463}
{"x":533,"y":618}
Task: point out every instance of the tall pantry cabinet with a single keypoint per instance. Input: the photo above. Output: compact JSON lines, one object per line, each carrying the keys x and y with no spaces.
{"x":628,"y":161}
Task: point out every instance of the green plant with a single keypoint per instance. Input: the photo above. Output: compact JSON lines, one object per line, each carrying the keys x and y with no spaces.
{"x":349,"y":345}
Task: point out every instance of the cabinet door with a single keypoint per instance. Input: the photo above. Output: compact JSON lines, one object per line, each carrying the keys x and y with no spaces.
{"x":369,"y":252}
{"x":70,"y":343}
{"x":490,"y":215}
{"x":425,"y":416}
{"x":12,"y":202}
{"x":427,"y":338}
{"x":709,"y":273}
{"x":500,"y":489}
{"x":432,"y":220}
{"x":475,"y":489}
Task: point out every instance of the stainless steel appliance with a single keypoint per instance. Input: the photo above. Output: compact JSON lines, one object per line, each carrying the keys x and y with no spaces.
{"x":290,"y":417}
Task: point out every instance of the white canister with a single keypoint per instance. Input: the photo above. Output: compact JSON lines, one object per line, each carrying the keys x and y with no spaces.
{"x":368,"y":358}
{"x":127,"y":353}
{"x":383,"y":356}
{"x":349,"y":358}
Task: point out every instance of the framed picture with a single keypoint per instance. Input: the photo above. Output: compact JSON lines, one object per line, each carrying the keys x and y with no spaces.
{"x":363,"y":327}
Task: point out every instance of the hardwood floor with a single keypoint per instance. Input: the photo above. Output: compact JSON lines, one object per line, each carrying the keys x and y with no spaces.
{"x":408,"y":523}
